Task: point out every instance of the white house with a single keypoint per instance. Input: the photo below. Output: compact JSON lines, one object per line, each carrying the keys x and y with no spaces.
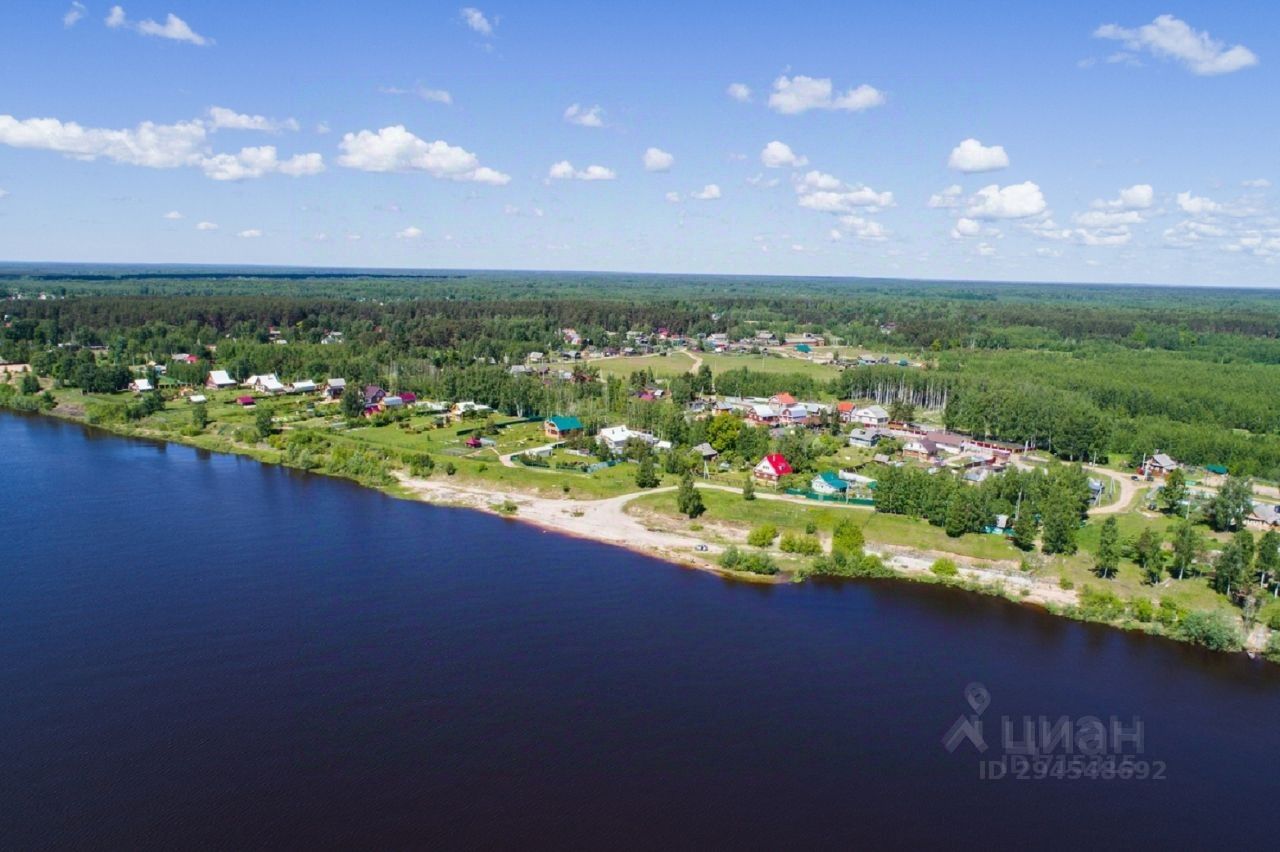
{"x":871,"y":416}
{"x":219,"y":379}
{"x":333,"y":388}
{"x":197,"y":398}
{"x":141,"y":386}
{"x":304,"y":386}
{"x":265,"y":383}
{"x":615,"y":438}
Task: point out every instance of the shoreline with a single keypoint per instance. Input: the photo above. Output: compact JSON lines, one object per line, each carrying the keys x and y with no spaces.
{"x":605,"y":521}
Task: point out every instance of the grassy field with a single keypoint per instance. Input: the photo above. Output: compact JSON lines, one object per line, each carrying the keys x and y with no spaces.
{"x":769,"y":364}
{"x":663,"y":366}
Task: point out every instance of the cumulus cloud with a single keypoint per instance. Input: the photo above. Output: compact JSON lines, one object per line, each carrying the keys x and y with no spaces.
{"x":564,"y":170}
{"x":73,"y":15}
{"x":173,"y":28}
{"x":1168,"y":37}
{"x":151,"y":145}
{"x":173,"y":214}
{"x":972,"y":156}
{"x":250,"y":234}
{"x":673,"y":197}
{"x":222,"y":118}
{"x":777,"y":155}
{"x":395,"y":149}
{"x":657,"y":160}
{"x":710,"y":192}
{"x":1015,"y":201}
{"x":966,"y":228}
{"x":947,"y":198}
{"x":828,"y":194}
{"x":3,"y":192}
{"x":206,"y":226}
{"x":1256,"y":183}
{"x":584,"y":116}
{"x":862,"y":228}
{"x":1197,"y":205}
{"x":1140,"y":196}
{"x":259,"y":161}
{"x":794,"y":95}
{"x":740,"y":92}
{"x":476,"y":20}
{"x":410,"y":233}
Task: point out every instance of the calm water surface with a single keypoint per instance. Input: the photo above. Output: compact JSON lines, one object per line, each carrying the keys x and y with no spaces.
{"x":198,"y":650}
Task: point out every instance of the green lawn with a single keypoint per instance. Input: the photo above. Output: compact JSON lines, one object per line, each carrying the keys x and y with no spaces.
{"x":769,"y":364}
{"x":662,"y":366}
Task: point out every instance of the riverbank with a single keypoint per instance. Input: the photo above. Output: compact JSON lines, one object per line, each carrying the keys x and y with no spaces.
{"x":617,"y":521}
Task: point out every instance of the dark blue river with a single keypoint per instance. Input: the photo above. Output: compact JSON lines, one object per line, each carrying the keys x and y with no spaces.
{"x":198,"y":650}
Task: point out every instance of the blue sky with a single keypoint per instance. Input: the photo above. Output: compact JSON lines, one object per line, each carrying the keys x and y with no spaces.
{"x":1124,"y":142}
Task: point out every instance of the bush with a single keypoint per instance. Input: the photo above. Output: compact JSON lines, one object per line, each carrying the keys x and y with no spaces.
{"x":420,"y":464}
{"x":847,"y":537}
{"x":1271,"y":617}
{"x":944,"y":568}
{"x":840,"y":564}
{"x":762,"y":536}
{"x":1100,"y":604}
{"x":1272,"y":651}
{"x":1066,"y":584}
{"x":1143,"y":610}
{"x":1211,"y":630}
{"x":751,"y":562}
{"x":450,"y":468}
{"x":806,"y":545}
{"x":1169,"y":613}
{"x":810,"y":528}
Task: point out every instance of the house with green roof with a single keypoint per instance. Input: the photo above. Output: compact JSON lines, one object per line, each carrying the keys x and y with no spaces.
{"x":828,"y":483}
{"x":562,"y":428}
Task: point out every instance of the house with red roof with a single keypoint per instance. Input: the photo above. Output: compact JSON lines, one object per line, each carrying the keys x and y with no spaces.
{"x":772,"y":468}
{"x":783,"y":399}
{"x":845,"y":410}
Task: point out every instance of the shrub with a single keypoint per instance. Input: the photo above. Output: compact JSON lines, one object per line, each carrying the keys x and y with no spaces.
{"x":1143,"y":610}
{"x":805,"y":545}
{"x":810,"y":528}
{"x":847,"y":537}
{"x":944,"y":568}
{"x":840,"y":564}
{"x":762,"y":536}
{"x":1066,"y":584}
{"x":450,"y":468}
{"x":420,"y":464}
{"x":1272,"y":651}
{"x":752,"y":562}
{"x":1211,"y":630}
{"x":1169,"y":613}
{"x":1100,"y":604}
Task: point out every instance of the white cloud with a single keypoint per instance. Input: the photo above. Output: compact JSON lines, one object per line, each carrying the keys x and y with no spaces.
{"x":1256,"y":183}
{"x":584,"y":116}
{"x":158,"y":146}
{"x":740,"y":92}
{"x":947,"y":198}
{"x":410,"y":233}
{"x":1108,"y":218}
{"x":828,"y":194}
{"x":250,"y":234}
{"x":1171,"y":38}
{"x":564,"y":170}
{"x":206,"y":226}
{"x":794,"y":95}
{"x":435,"y":96}
{"x":3,"y":192}
{"x":395,"y":149}
{"x":710,"y":192}
{"x":259,"y":161}
{"x":322,"y":128}
{"x":1015,"y":201}
{"x":972,"y":156}
{"x":173,"y":28}
{"x":657,"y":160}
{"x":673,"y":197}
{"x":966,"y":228}
{"x":476,"y":19}
{"x":1197,"y":205}
{"x":1137,"y":197}
{"x":763,"y":182}
{"x":74,"y":14}
{"x":777,"y":155}
{"x":221,"y":118}
{"x":863,"y":229}
{"x":986,"y":250}
{"x":173,"y":214}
